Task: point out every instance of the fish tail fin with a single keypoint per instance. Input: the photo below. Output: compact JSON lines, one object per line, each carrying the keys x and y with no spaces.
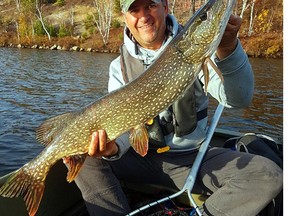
{"x":22,"y":184}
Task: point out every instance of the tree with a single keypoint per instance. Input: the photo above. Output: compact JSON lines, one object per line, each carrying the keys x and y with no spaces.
{"x":40,"y":18}
{"x":72,"y":15}
{"x":244,"y":7}
{"x":193,"y":7}
{"x":103,"y":18}
{"x":250,"y":31}
{"x":17,"y":2}
{"x":172,"y":7}
{"x":23,"y":20}
{"x":117,"y":8}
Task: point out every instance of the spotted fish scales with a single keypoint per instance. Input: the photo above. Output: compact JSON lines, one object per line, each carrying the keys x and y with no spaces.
{"x":126,"y":108}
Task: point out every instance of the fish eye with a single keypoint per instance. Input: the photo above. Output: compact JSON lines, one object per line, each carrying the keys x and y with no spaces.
{"x":203,"y":16}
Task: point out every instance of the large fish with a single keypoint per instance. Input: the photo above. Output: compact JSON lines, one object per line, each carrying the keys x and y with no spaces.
{"x":126,"y":108}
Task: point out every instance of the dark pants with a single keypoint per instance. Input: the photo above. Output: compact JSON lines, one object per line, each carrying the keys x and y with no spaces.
{"x":239,"y":183}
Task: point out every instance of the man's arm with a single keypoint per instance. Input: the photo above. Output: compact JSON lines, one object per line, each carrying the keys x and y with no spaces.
{"x":238,"y":87}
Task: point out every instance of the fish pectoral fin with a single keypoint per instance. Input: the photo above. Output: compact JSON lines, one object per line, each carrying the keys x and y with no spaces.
{"x":74,"y":164}
{"x":52,"y":127}
{"x":206,"y":72}
{"x":208,"y":60}
{"x":206,"y":75}
{"x":139,"y":139}
{"x":22,"y":184}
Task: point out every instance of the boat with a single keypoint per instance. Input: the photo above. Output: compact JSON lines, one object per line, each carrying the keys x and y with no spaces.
{"x":64,"y":199}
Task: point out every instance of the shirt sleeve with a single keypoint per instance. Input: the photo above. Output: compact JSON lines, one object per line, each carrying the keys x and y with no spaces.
{"x":115,"y":75}
{"x":123,"y":146}
{"x":115,"y":82}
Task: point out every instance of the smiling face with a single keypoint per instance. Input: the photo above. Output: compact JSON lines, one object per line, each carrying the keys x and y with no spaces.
{"x":146,"y":20}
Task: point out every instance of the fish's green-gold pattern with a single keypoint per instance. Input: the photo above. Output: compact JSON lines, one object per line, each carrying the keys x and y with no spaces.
{"x":126,"y":108}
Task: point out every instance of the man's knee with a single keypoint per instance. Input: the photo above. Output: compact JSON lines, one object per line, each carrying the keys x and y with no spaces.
{"x":273,"y":176}
{"x":93,"y":174}
{"x":101,"y":189}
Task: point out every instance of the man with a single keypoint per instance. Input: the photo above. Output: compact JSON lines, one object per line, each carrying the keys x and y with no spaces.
{"x":238,"y":183}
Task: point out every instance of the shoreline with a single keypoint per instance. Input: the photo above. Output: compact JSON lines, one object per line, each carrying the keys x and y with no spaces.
{"x":60,"y":48}
{"x":56,"y":47}
{"x":255,"y":46}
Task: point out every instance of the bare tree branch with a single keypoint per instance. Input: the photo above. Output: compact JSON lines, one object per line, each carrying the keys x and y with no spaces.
{"x":17,"y":2}
{"x":251,"y":18}
{"x":72,"y":15}
{"x":244,"y":7}
{"x":172,"y":10}
{"x":104,"y":16}
{"x":40,"y":18}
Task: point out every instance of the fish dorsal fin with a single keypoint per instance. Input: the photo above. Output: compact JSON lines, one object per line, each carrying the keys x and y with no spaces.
{"x":50,"y":128}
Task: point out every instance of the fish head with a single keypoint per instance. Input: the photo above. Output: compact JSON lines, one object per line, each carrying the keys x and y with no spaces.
{"x":203,"y":32}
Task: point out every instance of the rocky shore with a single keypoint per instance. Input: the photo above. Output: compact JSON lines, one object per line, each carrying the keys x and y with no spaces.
{"x":254,"y":47}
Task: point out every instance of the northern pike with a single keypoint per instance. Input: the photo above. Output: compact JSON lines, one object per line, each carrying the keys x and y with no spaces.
{"x":127,"y":108}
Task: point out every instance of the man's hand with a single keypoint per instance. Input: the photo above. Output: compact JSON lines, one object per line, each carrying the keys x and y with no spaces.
{"x":229,"y":39}
{"x":100,"y":147}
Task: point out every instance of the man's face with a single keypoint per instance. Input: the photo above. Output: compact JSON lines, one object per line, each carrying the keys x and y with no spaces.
{"x":146,"y":21}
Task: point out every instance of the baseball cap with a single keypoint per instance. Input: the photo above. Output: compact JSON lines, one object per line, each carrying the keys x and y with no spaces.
{"x":125,"y":4}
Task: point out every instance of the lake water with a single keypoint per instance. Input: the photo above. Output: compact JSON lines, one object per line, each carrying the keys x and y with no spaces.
{"x":38,"y":84}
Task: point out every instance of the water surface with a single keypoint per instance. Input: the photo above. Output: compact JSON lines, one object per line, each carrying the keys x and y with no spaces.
{"x":38,"y":84}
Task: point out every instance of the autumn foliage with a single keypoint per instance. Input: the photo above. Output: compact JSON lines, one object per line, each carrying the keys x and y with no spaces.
{"x":261,"y":32}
